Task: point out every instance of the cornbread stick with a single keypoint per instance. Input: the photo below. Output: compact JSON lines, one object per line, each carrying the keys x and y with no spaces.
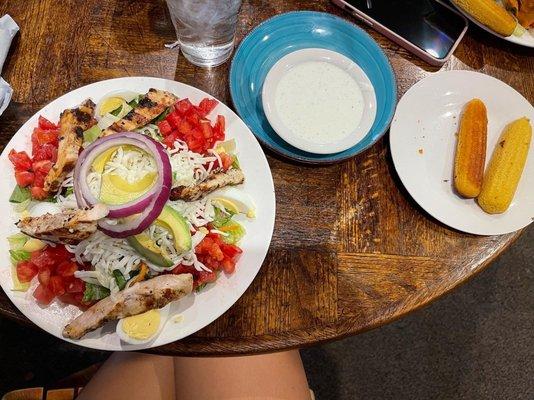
{"x":471,"y":149}
{"x":506,"y":167}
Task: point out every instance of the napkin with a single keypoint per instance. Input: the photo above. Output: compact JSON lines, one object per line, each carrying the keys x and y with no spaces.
{"x":8,"y":29}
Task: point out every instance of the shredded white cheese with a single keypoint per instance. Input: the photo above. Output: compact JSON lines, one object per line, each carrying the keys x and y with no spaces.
{"x":69,"y":201}
{"x":198,"y":213}
{"x":131,"y":165}
{"x":106,"y":254}
{"x":189,"y":167}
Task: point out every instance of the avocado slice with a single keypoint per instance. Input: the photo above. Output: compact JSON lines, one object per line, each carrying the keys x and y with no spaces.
{"x":171,"y":220}
{"x":145,"y":246}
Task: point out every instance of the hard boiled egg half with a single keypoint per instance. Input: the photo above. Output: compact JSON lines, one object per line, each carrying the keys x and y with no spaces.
{"x":113,"y":106}
{"x":143,"y":328}
{"x":235,"y":201}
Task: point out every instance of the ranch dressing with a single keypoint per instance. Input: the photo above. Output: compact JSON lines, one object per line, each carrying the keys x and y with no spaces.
{"x":319,"y":102}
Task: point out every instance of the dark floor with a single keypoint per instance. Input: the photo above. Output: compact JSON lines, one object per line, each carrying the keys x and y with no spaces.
{"x":476,"y":343}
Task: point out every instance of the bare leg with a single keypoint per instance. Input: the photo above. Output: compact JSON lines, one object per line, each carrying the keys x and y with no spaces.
{"x":132,"y":376}
{"x":278,"y":376}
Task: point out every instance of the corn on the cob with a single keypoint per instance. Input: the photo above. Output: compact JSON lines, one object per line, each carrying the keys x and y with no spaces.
{"x":489,"y":13}
{"x":506,"y":167}
{"x":471,"y":149}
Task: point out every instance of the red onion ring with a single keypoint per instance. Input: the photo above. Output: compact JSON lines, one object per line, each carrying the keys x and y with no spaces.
{"x":85,"y":197}
{"x":148,"y":206}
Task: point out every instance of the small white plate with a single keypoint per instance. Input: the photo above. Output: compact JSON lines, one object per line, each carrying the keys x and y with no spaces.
{"x":423,"y":142}
{"x":286,"y":63}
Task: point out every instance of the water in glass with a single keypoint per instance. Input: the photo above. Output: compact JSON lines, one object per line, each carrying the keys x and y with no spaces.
{"x":205,"y":29}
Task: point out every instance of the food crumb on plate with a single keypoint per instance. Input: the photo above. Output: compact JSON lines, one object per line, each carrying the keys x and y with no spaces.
{"x":420,"y":151}
{"x":177,"y":319}
{"x":445,"y":180}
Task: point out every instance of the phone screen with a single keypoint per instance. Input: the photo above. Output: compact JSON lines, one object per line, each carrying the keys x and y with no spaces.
{"x":427,"y":24}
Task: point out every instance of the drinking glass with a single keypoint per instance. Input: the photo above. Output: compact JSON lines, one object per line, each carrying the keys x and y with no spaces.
{"x":205,"y":29}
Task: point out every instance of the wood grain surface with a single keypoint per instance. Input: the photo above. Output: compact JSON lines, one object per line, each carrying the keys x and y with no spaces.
{"x":351,"y":250}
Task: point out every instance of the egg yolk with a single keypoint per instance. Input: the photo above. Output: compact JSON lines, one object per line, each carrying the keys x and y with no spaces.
{"x":110,"y":104}
{"x":142,"y":326}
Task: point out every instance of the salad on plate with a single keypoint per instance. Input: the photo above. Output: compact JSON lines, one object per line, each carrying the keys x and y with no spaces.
{"x":126,"y":206}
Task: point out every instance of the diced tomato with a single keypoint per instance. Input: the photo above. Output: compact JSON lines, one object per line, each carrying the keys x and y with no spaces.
{"x":219,"y":128}
{"x":60,"y":253}
{"x":214,"y":254}
{"x":184,"y":128}
{"x":68,"y":298}
{"x":44,"y":155}
{"x":46,"y":124}
{"x":206,"y":128}
{"x":56,"y":285}
{"x":75,"y":286}
{"x":184,"y":269}
{"x":42,"y":166}
{"x":205,"y":277}
{"x":183,"y":106}
{"x":195,"y":141}
{"x":170,"y":139}
{"x":66,"y":268}
{"x":189,"y":123}
{"x":44,"y":276}
{"x":24,"y":178}
{"x":217,"y":255}
{"x":206,"y":106}
{"x":21,"y":160}
{"x":173,"y":119}
{"x":43,"y":259}
{"x":26,"y":271}
{"x":72,"y":298}
{"x":215,"y":237}
{"x":165,"y":126}
{"x":41,"y":169}
{"x":192,"y":116}
{"x":228,"y":265}
{"x":55,"y":272}
{"x":227,"y":160}
{"x":38,"y":193}
{"x":43,"y":294}
{"x":42,"y":136}
{"x":230,"y":250}
{"x":209,"y":247}
{"x":45,"y":152}
{"x":39,"y":180}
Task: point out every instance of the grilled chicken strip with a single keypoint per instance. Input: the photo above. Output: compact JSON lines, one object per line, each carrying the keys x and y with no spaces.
{"x":213,"y":182}
{"x":72,"y":124}
{"x":141,"y":297}
{"x":67,"y":227}
{"x":150,"y":106}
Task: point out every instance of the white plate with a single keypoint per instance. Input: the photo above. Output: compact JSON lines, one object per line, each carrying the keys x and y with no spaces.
{"x":423,"y":142}
{"x":199,"y":309}
{"x":527,"y":39}
{"x":286,"y":63}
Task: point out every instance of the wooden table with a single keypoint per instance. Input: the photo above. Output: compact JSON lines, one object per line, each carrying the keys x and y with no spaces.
{"x":351,"y":250}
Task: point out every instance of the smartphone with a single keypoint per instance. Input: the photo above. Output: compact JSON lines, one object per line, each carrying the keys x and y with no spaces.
{"x":428,"y":28}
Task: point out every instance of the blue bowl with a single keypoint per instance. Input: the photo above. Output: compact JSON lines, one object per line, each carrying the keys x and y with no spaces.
{"x":286,"y":33}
